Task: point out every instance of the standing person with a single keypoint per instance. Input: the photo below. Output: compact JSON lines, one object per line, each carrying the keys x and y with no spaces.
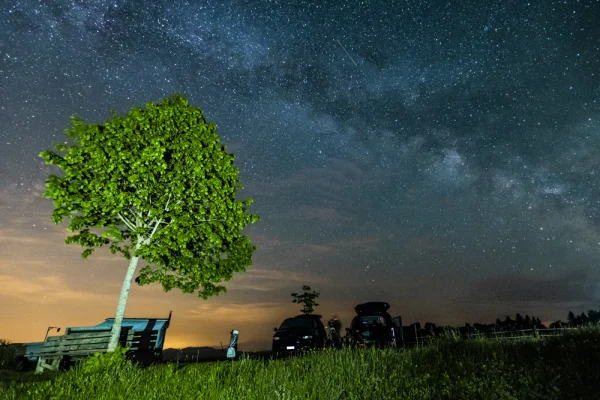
{"x":233,"y":344}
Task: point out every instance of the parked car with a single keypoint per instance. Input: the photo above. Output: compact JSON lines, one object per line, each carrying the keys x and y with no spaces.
{"x":373,"y":326}
{"x":301,"y":332}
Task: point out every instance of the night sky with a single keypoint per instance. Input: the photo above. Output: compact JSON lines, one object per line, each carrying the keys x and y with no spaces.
{"x":440,"y":156}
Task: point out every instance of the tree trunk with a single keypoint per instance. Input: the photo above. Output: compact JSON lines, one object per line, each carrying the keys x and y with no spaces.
{"x":116,"y":328}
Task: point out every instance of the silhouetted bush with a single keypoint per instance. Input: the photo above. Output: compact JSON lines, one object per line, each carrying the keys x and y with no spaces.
{"x":8,"y":353}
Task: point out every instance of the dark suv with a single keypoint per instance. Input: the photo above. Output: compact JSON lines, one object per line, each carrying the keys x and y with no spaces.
{"x":373,"y":326}
{"x":299,"y":333}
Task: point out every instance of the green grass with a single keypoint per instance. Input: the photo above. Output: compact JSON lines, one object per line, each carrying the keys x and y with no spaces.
{"x":565,"y":367}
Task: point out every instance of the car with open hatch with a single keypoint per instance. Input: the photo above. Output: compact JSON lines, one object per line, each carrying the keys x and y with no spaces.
{"x":373,"y":326}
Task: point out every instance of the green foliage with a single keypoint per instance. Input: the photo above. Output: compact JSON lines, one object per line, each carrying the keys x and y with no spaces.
{"x":161,"y":180}
{"x":8,"y":353}
{"x":308,"y":299}
{"x":105,"y":362}
{"x":565,"y":367}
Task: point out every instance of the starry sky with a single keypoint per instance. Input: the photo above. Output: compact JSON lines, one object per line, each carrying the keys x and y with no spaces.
{"x":440,"y":156}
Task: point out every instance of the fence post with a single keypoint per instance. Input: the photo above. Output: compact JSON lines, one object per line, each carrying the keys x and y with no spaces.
{"x":416,"y":336}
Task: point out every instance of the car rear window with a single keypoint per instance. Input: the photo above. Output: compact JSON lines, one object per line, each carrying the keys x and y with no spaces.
{"x":297,"y":323}
{"x":367,"y":322}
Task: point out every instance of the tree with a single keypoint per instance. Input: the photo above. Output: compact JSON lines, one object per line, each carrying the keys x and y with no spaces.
{"x":155,"y":185}
{"x":558,"y":324}
{"x":538,"y":323}
{"x":430,"y":328}
{"x":519,"y":320}
{"x":509,"y":324}
{"x":571,"y":318}
{"x":308,"y":299}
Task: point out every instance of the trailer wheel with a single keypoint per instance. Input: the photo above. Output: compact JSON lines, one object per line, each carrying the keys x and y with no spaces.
{"x":22,"y":364}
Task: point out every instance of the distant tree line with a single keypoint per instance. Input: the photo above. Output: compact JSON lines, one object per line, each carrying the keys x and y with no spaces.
{"x":507,"y":324}
{"x":592,"y":317}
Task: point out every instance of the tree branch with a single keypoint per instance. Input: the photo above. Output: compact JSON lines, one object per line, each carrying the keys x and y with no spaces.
{"x":153,"y":230}
{"x":167,"y":205}
{"x":126,"y":222}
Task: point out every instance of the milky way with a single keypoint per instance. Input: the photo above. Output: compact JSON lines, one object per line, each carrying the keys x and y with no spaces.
{"x":439,"y":156}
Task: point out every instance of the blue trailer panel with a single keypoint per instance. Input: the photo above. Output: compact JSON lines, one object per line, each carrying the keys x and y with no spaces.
{"x":149,"y":335}
{"x":146,"y":346}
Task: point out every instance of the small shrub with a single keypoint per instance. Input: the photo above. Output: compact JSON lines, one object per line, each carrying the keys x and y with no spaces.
{"x":105,"y":362}
{"x":8,"y":354}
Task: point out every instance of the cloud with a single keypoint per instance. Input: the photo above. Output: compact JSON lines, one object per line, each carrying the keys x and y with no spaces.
{"x":241,"y":313}
{"x":43,"y":289}
{"x":22,"y":196}
{"x":239,"y":46}
{"x":326,"y":183}
{"x":302,"y":261}
{"x":360,"y":244}
{"x":16,"y":237}
{"x":323,"y":214}
{"x":270,"y":279}
{"x":263,"y":241}
{"x":569,"y":287}
{"x":451,"y":167}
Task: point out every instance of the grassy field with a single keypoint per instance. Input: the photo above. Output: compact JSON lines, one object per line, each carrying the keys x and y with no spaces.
{"x":564,"y":367}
